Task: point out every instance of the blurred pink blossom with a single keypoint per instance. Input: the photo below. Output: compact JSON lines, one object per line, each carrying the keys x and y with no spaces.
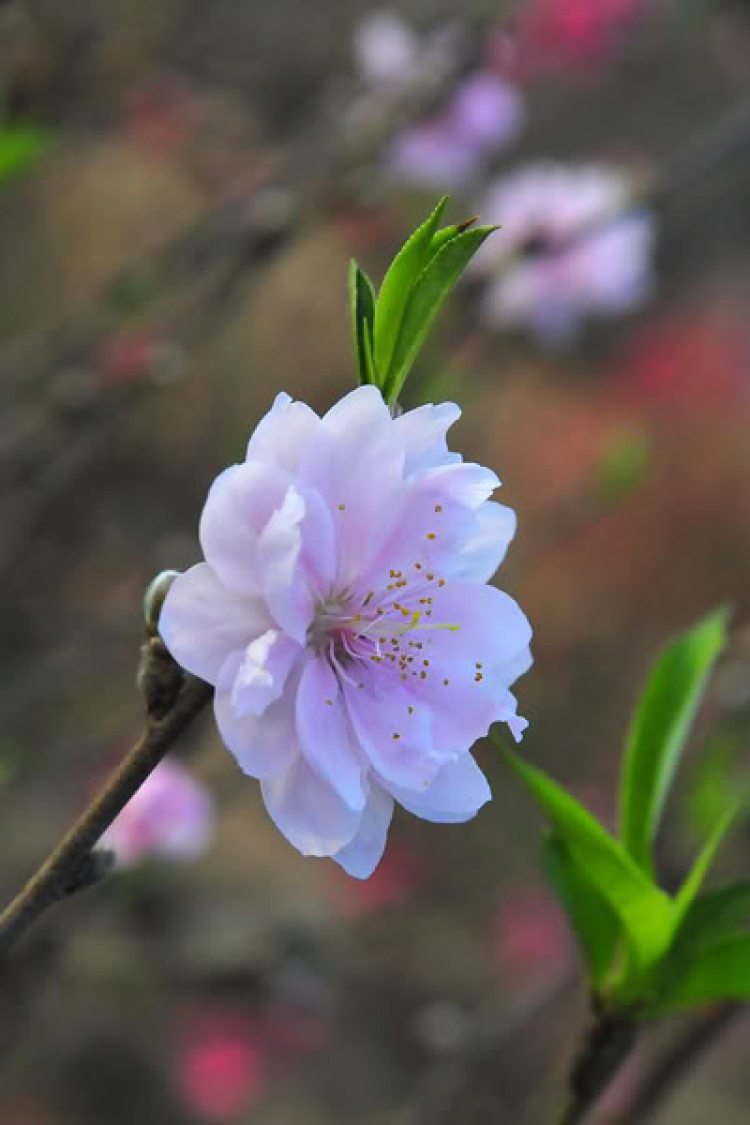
{"x":541,"y":273}
{"x":222,"y":1069}
{"x":170,"y":815}
{"x":485,"y":113}
{"x":531,"y":935}
{"x":688,"y":362}
{"x":566,"y":33}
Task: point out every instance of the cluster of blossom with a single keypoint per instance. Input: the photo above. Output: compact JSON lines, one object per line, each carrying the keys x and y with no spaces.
{"x":344,"y":615}
{"x":542,"y":273}
{"x":171,"y":816}
{"x":569,"y":249}
{"x":445,"y":150}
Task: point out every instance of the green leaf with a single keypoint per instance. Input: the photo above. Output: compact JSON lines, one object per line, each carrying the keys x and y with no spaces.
{"x":645,"y":911}
{"x":715,"y":916}
{"x":362,"y":301}
{"x":721,"y":971}
{"x":660,"y":728}
{"x":397,"y":285}
{"x":425,"y":300}
{"x":693,"y":883}
{"x":592,"y":918}
{"x":20,"y":146}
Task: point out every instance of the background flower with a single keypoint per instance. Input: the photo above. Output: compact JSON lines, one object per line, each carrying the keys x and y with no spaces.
{"x":344,"y":617}
{"x":170,"y":815}
{"x":544,"y":271}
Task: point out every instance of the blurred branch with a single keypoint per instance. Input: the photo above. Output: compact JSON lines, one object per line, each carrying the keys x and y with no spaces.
{"x":676,"y":1063}
{"x":173,"y":700}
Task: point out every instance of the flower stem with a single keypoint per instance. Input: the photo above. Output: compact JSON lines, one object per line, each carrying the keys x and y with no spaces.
{"x":605,"y":1047}
{"x":173,"y":700}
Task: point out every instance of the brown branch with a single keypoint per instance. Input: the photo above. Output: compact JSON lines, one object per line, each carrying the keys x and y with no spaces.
{"x":173,"y":701}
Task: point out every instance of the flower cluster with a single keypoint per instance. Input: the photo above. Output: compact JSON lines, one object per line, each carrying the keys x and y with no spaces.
{"x":344,"y":615}
{"x":484,"y":114}
{"x":563,"y":254}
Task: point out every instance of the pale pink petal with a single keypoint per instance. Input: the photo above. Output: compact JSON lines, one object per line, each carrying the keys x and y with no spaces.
{"x":361,"y":856}
{"x":282,"y":580}
{"x":262,"y":675}
{"x":308,"y":812}
{"x":455,"y":795}
{"x":202,"y":621}
{"x":423,"y":433}
{"x":266,"y":745}
{"x":396,"y":740}
{"x":481,"y":555}
{"x":240,"y":503}
{"x":325,"y":733}
{"x":282,"y":436}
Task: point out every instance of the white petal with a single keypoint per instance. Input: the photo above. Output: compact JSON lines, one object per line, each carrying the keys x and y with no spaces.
{"x":456,"y":794}
{"x":266,"y":745}
{"x":482,"y":554}
{"x":262,"y":675}
{"x":239,"y":505}
{"x":282,"y":580}
{"x":325,"y":734}
{"x":308,"y":812}
{"x":202,"y":621}
{"x":361,"y":856}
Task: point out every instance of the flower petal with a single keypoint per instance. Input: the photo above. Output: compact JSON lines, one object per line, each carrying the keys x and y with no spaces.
{"x":455,"y":795}
{"x":308,"y":812}
{"x":202,"y":621}
{"x":282,"y":580}
{"x":398,"y":742}
{"x":355,"y":463}
{"x":265,"y":745}
{"x":262,"y":675}
{"x":423,"y":433}
{"x":325,"y":734}
{"x":492,"y":629}
{"x":482,"y":554}
{"x":362,"y":855}
{"x":239,"y":505}
{"x":281,"y":437}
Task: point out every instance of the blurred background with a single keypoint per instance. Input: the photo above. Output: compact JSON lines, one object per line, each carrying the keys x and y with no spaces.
{"x":181,"y":187}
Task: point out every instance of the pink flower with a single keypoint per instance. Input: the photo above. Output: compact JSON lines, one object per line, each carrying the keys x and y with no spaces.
{"x":554,"y":33}
{"x":531,"y":935}
{"x":222,"y":1069}
{"x":170,"y":815}
{"x":343,"y":614}
{"x":485,"y":113}
{"x":546,"y":275}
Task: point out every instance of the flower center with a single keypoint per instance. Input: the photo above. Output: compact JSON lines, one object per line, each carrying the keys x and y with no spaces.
{"x":359,"y":632}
